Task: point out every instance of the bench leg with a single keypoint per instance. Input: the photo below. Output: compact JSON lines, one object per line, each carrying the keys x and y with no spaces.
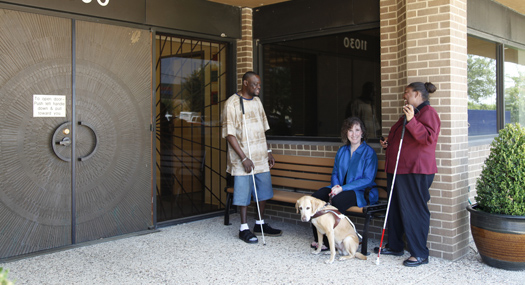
{"x":229,"y":200}
{"x":364,"y":244}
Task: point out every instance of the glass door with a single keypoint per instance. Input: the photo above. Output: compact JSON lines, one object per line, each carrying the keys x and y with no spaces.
{"x":191,"y":77}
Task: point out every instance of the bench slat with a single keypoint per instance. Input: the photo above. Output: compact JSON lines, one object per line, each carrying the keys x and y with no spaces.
{"x":304,"y":168}
{"x":287,"y":196}
{"x":383,"y":195}
{"x":299,"y":183}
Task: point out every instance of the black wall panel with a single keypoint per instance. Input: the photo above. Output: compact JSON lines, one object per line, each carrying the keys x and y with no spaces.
{"x":198,"y":16}
{"x":306,"y":16}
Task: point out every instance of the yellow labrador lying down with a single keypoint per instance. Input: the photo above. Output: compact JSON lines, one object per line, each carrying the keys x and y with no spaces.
{"x":336,"y":226}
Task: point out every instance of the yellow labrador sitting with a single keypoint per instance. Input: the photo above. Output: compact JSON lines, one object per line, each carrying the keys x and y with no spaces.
{"x":336,"y":226}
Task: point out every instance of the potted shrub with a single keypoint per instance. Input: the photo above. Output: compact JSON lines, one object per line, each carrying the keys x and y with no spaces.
{"x":497,"y":221}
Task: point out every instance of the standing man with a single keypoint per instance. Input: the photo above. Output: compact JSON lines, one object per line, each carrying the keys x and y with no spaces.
{"x":239,"y":165}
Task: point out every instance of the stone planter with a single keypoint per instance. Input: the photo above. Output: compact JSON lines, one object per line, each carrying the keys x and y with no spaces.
{"x":500,"y":239}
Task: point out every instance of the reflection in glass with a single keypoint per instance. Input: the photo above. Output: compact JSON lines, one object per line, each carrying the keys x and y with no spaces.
{"x":191,"y":76}
{"x":481,"y":72}
{"x":311,"y":85}
{"x":514,"y":86}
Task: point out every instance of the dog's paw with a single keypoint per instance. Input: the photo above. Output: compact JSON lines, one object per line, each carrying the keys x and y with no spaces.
{"x":329,"y":261}
{"x":316,"y":252}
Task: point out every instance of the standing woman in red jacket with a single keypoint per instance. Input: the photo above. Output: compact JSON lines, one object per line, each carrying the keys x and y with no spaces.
{"x":409,"y":212}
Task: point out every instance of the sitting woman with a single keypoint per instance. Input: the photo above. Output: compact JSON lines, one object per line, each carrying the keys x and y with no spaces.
{"x":354,"y":170}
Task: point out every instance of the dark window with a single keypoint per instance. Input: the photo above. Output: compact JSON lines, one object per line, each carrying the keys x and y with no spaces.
{"x":311,"y":85}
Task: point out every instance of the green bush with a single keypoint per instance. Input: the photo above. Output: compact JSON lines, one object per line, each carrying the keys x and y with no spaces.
{"x":501,"y":186}
{"x":3,"y":277}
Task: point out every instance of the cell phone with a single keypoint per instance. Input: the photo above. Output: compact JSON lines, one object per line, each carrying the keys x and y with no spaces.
{"x":382,"y":138}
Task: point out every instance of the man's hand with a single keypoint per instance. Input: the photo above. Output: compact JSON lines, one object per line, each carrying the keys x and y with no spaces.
{"x":271,"y":160}
{"x":248,"y":165}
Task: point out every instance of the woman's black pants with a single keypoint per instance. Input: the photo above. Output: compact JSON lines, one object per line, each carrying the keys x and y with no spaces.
{"x":409,"y":214}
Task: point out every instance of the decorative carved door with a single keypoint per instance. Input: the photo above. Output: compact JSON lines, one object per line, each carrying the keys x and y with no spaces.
{"x":87,"y":175}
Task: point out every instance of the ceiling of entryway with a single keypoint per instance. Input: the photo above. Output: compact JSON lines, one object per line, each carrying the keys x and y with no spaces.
{"x":516,"y":5}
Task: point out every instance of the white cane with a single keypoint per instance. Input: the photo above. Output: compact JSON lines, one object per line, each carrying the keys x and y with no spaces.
{"x":391,"y":190}
{"x":253,"y":175}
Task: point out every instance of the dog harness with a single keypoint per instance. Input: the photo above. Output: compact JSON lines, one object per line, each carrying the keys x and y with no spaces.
{"x":335,"y":213}
{"x":337,"y":216}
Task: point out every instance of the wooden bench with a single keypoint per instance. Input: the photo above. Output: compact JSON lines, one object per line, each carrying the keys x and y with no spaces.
{"x":296,"y":176}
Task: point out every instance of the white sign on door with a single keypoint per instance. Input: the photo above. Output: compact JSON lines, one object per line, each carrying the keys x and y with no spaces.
{"x":49,"y":106}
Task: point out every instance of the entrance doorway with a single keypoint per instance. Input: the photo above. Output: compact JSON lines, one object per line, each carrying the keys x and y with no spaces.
{"x":190,"y":153}
{"x":84,"y":173}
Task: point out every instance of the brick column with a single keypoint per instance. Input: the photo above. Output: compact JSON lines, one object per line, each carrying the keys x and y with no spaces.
{"x":245,"y":46}
{"x":427,"y":41}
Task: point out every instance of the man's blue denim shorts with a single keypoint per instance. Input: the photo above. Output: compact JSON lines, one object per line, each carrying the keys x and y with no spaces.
{"x":243,"y":188}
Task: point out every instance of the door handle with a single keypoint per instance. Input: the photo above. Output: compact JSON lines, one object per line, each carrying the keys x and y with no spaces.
{"x":61,"y":141}
{"x":65,"y":141}
{"x":88,"y":156}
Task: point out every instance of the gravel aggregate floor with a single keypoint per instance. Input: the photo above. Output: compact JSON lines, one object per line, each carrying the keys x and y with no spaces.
{"x":207,"y":252}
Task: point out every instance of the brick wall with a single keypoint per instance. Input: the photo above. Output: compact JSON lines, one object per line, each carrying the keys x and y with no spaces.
{"x":427,"y":41}
{"x":245,"y":46}
{"x":302,"y":149}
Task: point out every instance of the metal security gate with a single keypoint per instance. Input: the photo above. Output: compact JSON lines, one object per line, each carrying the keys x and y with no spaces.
{"x":192,"y":76}
{"x":85,"y":175}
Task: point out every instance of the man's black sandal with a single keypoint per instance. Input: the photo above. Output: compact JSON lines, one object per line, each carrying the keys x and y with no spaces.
{"x":248,"y":237}
{"x":268,"y":231}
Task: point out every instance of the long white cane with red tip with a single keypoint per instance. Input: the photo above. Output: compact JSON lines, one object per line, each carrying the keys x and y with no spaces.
{"x":391,"y":191}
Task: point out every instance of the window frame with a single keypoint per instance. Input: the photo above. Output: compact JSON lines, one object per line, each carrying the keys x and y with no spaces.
{"x":501,"y":44}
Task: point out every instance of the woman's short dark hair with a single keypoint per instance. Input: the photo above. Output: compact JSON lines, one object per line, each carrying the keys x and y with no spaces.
{"x":348,"y":123}
{"x":423,"y":88}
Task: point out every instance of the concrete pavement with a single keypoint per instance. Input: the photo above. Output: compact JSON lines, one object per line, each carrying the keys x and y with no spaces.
{"x":207,"y":252}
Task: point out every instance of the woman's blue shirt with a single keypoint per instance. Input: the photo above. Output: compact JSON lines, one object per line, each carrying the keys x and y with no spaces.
{"x":360,"y":172}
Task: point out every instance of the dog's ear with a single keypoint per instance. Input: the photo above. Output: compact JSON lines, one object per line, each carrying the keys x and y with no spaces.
{"x":298,"y":203}
{"x":316,"y":204}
